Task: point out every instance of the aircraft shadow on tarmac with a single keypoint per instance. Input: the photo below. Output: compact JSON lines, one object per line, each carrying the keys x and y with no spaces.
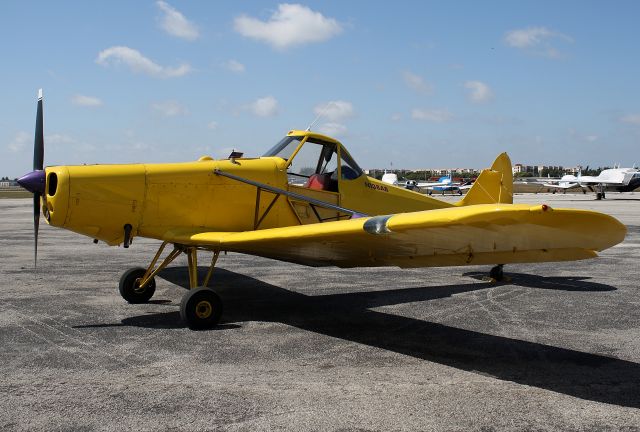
{"x":348,"y":316}
{"x":560,"y":283}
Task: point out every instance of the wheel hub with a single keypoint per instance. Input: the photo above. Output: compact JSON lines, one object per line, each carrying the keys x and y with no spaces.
{"x":204,"y":309}
{"x":136,"y":286}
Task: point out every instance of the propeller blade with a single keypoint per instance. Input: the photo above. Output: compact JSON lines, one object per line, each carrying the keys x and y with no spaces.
{"x":35,"y":181}
{"x":38,"y":142}
{"x":38,"y":165}
{"x":36,"y":225}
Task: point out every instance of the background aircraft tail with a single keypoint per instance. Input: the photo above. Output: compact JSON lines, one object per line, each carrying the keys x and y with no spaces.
{"x":494,"y":185}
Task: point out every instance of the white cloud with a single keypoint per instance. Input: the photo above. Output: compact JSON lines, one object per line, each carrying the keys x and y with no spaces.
{"x":333,"y":129}
{"x":139,"y":63}
{"x":60,"y":141}
{"x":577,"y":136}
{"x":290,"y":25}
{"x":170,"y":108}
{"x":234,"y":66}
{"x":536,"y":39}
{"x":631,"y":118}
{"x":20,"y":142}
{"x":478,"y":91}
{"x":527,"y":37}
{"x":417,"y":83}
{"x":213,"y":125}
{"x":56,"y":139}
{"x":133,"y":142}
{"x":433,"y":115}
{"x":87,"y":101}
{"x":140,"y":145}
{"x":396,"y":117}
{"x":174,"y":23}
{"x":264,"y":107}
{"x":335,"y":111}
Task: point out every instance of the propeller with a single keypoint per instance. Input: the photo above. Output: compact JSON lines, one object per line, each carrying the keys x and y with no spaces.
{"x":35,"y":180}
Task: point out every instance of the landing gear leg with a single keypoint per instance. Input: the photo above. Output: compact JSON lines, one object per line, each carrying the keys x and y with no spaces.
{"x":201,"y":308}
{"x":138,"y":285}
{"x":496,"y":273}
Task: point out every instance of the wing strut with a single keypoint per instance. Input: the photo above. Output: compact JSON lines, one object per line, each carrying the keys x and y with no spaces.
{"x":312,"y":201}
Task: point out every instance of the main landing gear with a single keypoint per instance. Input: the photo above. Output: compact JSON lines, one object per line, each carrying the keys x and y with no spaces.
{"x":201,"y":308}
{"x":496,"y":274}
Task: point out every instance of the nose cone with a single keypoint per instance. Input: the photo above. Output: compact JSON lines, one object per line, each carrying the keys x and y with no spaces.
{"x":34,"y":181}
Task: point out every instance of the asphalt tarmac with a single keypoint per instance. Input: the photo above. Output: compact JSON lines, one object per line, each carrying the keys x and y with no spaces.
{"x":306,"y":349}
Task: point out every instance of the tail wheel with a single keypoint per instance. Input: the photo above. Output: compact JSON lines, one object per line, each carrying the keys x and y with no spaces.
{"x":130,"y":286}
{"x":496,"y":273}
{"x":201,"y":308}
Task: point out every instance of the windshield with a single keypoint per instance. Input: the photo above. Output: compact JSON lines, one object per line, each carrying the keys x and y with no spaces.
{"x":285,"y":147}
{"x":314,"y":157}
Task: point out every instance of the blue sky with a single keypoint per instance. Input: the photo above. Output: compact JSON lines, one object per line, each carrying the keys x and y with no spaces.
{"x":414,"y":84}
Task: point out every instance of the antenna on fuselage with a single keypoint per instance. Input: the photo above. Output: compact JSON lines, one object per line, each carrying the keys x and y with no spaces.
{"x":322,"y":113}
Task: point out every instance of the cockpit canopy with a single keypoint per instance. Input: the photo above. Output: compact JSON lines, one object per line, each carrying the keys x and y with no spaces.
{"x":316,"y":159}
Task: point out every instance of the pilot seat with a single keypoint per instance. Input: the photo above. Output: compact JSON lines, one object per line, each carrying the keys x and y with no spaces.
{"x":322,"y":182}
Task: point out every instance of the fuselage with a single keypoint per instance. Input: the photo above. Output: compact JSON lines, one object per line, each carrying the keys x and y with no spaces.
{"x":99,"y":200}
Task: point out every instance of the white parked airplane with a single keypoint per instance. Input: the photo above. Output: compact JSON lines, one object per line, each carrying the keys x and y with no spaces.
{"x":568,"y":181}
{"x":392,"y":179}
{"x":618,"y":179}
{"x":444,"y":184}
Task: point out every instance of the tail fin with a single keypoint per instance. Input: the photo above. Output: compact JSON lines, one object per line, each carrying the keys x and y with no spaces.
{"x":494,"y":185}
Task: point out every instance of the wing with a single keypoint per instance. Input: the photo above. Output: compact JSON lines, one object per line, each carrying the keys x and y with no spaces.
{"x":480,"y":234}
{"x":560,"y":186}
{"x":597,"y":180}
{"x":430,"y":184}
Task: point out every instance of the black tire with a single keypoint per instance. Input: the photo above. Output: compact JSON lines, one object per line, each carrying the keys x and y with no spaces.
{"x":201,"y":308}
{"x":496,"y":273}
{"x":598,"y":196}
{"x":130,"y":286}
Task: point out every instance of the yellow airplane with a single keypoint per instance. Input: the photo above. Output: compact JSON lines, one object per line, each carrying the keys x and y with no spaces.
{"x":305,"y":201}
